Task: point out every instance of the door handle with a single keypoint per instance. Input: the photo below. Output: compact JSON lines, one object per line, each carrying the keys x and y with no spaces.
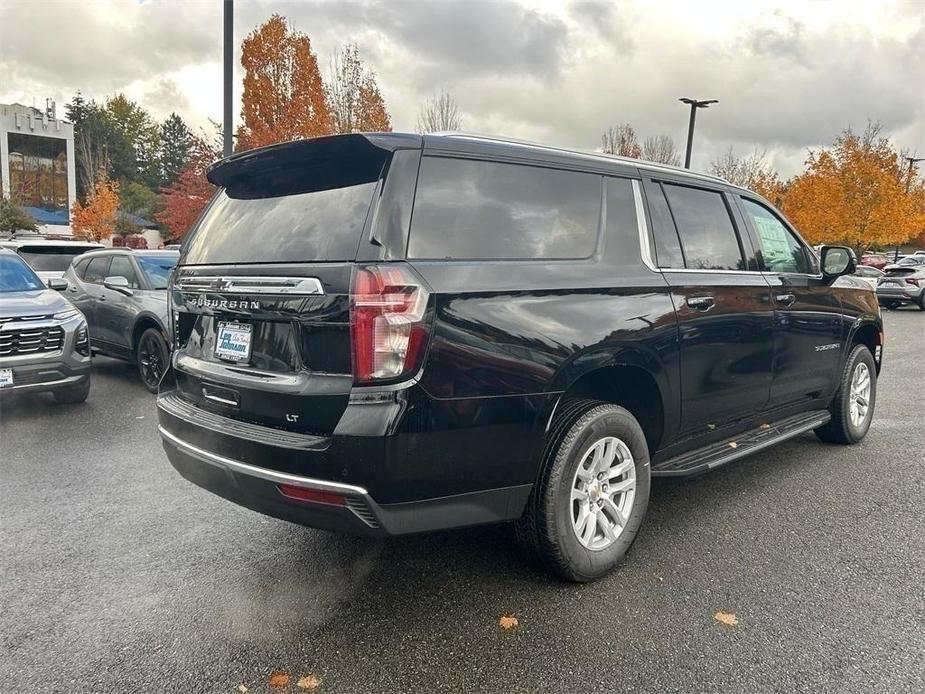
{"x":785,"y":299}
{"x":101,"y":298}
{"x":701,"y":303}
{"x":72,"y":288}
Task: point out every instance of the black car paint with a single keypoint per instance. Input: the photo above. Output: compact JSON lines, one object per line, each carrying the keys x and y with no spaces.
{"x":508,"y":339}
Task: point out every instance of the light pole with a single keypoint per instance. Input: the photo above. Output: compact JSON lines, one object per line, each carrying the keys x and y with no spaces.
{"x":694,"y":104}
{"x":912,"y":162}
{"x":228,"y":61}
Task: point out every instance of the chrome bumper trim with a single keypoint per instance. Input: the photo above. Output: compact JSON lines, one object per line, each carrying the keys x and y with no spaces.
{"x":262,"y":473}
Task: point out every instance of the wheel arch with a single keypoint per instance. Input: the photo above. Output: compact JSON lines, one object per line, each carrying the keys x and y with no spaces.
{"x":142,"y":323}
{"x":867,"y":332}
{"x":632,"y":379}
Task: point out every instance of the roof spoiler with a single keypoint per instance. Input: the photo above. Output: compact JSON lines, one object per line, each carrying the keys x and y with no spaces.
{"x":351,"y":156}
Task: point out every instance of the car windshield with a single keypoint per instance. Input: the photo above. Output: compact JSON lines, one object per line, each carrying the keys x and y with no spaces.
{"x":158,"y":268}
{"x":912,"y":260}
{"x":51,"y":258}
{"x":16,"y":276}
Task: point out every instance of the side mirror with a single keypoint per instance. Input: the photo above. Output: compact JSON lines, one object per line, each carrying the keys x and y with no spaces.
{"x":837,"y":261}
{"x":117,"y":283}
{"x":59,"y":284}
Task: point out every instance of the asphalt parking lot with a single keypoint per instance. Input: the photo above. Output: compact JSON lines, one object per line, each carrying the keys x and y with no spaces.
{"x":119,"y":576}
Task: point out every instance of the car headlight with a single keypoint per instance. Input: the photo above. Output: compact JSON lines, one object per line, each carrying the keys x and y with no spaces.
{"x":66,"y":314}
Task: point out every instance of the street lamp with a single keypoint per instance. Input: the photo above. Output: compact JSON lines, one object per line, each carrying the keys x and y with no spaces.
{"x":694,"y":104}
{"x":912,"y":162}
{"x":228,"y":67}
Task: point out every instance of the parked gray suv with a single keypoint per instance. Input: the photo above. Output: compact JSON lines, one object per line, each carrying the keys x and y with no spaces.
{"x":44,"y":345}
{"x":123,"y":293}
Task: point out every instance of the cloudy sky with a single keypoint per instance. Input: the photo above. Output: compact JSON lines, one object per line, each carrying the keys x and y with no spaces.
{"x":789,"y":75}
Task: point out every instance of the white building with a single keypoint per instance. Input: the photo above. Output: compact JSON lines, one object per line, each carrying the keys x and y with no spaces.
{"x":37,"y":164}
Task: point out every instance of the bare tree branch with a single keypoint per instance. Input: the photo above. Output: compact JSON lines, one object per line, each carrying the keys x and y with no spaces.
{"x":740,"y":171}
{"x":621,"y":141}
{"x":661,"y":150}
{"x":440,"y":113}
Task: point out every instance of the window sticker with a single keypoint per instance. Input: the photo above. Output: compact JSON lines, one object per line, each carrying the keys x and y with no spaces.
{"x":774,"y":238}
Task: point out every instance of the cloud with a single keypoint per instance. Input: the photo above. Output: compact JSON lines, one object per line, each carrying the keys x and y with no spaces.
{"x":787,"y":77}
{"x":99,"y":46}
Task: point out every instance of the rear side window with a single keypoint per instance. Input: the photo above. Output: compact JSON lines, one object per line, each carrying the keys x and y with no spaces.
{"x":667,"y":245}
{"x":622,"y":226}
{"x":487,"y":210}
{"x":80,"y":267}
{"x":97,"y":270}
{"x":708,"y":238}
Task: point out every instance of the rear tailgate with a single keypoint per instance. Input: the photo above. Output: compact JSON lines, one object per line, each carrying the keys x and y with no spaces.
{"x":260,"y":297}
{"x":299,"y":343}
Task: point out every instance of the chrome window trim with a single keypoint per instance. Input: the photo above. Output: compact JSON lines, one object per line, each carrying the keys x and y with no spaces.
{"x":279,"y":286}
{"x":645,"y":249}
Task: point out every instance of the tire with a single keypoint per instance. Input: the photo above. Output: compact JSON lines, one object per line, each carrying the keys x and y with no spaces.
{"x":566,"y":502}
{"x":922,"y":301}
{"x":847,"y":426}
{"x":891,"y":305}
{"x":72,"y":395}
{"x":151,"y":355}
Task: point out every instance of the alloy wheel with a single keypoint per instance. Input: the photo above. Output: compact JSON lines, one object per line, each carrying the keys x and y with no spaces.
{"x":859,"y":403}
{"x":151,"y":360}
{"x":602,"y":494}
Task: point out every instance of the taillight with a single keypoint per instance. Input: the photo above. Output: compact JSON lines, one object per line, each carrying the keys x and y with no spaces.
{"x":913,"y":280}
{"x":388,"y":333}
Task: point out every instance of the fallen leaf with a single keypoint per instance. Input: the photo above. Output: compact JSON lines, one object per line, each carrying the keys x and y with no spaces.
{"x":308,"y":682}
{"x":733,"y":444}
{"x":711,"y":427}
{"x":727,"y":618}
{"x":507,"y":621}
{"x":242,"y":688}
{"x":278,"y":680}
{"x":765,"y":426}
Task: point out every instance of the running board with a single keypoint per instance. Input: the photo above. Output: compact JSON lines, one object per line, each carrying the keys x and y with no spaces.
{"x":748,"y":442}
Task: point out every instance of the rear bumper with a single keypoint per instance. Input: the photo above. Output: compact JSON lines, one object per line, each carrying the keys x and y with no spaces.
{"x":904,"y":294}
{"x":222,"y":457}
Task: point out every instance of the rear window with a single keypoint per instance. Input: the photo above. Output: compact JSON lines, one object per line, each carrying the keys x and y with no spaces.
{"x":486,"y":210}
{"x":50,"y":258}
{"x":320,"y":225}
{"x":157,"y":268}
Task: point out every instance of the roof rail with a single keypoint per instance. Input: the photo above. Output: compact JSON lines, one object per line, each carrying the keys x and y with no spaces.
{"x":641,"y":163}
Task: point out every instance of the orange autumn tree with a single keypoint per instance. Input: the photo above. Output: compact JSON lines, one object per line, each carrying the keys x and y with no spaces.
{"x":854,"y":194}
{"x":284,"y":97}
{"x":97,"y":216}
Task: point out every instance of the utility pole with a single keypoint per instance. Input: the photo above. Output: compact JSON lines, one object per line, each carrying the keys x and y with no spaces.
{"x":228,"y":62}
{"x":694,"y":104}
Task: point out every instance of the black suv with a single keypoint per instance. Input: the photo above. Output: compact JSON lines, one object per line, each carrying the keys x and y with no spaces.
{"x":391,"y":333}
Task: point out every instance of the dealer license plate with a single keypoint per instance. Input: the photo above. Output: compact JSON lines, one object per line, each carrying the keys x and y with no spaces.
{"x":233,"y":341}
{"x":6,"y":378}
